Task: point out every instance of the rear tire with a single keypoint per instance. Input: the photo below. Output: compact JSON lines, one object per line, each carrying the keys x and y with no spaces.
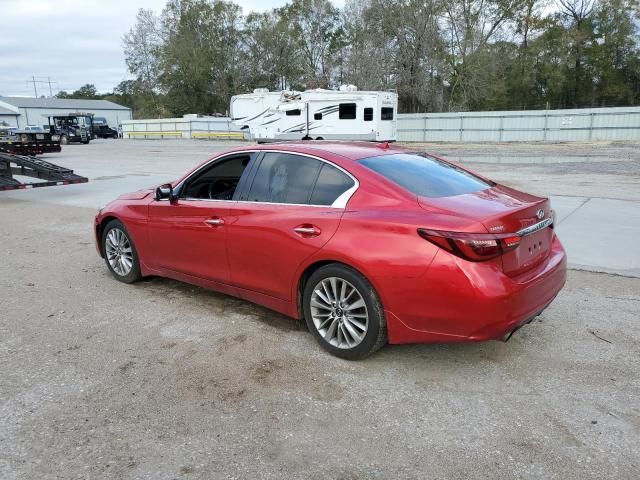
{"x":343,"y":312}
{"x":120,"y":253}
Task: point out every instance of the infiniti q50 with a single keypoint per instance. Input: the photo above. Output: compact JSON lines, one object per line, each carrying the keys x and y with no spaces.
{"x":368,"y":243}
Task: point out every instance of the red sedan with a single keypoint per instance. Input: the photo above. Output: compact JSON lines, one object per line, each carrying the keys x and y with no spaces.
{"x":368,"y":243}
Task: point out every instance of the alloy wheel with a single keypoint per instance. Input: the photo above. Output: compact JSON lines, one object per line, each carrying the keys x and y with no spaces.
{"x":339,"y":313}
{"x":119,"y":252}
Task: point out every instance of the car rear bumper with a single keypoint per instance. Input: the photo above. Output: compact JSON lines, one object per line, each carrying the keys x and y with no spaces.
{"x":477,"y":302}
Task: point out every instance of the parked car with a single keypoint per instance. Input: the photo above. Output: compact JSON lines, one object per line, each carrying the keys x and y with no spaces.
{"x":368,"y":243}
{"x":101,"y":129}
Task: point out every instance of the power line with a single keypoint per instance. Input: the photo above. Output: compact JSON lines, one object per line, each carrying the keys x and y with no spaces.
{"x":41,"y":80}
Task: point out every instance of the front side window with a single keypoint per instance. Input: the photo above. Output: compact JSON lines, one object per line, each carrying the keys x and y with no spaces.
{"x":217,"y":182}
{"x":424,"y":175}
{"x":347,"y":111}
{"x":284,"y":178}
{"x":330,"y":185}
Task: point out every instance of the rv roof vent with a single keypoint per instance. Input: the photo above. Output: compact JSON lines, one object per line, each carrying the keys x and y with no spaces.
{"x":260,"y":90}
{"x":348,"y":88}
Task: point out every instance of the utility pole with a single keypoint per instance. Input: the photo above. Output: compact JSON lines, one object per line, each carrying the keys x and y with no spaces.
{"x":50,"y":92}
{"x":35,"y":89}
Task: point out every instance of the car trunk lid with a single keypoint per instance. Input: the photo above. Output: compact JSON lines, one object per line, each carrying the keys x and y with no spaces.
{"x":503,"y":210}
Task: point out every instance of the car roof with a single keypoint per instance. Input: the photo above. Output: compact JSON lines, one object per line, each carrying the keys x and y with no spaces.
{"x":348,"y":150}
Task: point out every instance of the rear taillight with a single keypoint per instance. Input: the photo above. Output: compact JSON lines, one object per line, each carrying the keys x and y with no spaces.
{"x":475,"y":247}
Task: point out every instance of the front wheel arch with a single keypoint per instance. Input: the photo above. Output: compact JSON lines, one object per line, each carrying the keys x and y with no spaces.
{"x":100,"y":230}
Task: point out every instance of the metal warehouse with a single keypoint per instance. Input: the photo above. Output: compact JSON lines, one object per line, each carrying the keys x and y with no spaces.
{"x":22,"y":111}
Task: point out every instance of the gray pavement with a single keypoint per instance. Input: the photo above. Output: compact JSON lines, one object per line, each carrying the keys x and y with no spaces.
{"x":595,"y":188}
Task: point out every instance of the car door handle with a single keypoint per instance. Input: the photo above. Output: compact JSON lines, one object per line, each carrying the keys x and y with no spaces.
{"x":307,"y":230}
{"x":215,"y":222}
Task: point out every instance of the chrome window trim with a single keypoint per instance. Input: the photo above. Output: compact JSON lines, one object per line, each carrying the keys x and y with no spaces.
{"x":535,"y":228}
{"x":338,"y":203}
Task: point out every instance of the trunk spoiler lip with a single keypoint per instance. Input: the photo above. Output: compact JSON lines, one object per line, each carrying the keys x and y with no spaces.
{"x":535,"y":227}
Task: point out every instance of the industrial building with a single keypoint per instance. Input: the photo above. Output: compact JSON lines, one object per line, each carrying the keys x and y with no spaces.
{"x":22,"y":111}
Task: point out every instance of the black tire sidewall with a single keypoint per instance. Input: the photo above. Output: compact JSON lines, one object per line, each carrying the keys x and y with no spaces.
{"x":134,"y":274}
{"x":371,"y":342}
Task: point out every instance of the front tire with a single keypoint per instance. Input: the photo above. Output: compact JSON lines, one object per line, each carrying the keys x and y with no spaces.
{"x":343,"y":312}
{"x":64,"y":140}
{"x":120,"y":253}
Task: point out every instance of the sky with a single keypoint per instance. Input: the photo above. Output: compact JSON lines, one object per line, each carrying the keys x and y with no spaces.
{"x":72,"y":42}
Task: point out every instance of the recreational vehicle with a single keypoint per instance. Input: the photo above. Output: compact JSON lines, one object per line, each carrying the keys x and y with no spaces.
{"x":345,"y":114}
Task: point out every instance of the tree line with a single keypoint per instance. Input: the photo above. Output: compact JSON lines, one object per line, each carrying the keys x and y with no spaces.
{"x":439,"y":55}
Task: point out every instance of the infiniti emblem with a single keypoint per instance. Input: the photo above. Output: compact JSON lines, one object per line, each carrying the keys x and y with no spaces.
{"x":540,"y":214}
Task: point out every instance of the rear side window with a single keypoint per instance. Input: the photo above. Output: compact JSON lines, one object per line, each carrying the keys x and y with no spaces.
{"x":293,"y":113}
{"x":386,"y":113}
{"x":424,"y":175}
{"x":368,"y":114}
{"x":330,"y":185}
{"x":284,"y":178}
{"x":347,"y":111}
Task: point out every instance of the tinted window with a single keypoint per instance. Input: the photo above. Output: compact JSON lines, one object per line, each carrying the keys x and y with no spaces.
{"x":284,"y":178}
{"x":219,"y":181}
{"x":330,"y":185}
{"x":386,"y":113}
{"x":347,"y":111}
{"x":368,"y":114}
{"x":293,"y":112}
{"x":425,"y":176}
{"x":317,"y":116}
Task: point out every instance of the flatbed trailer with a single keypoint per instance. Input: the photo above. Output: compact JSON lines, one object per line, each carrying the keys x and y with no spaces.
{"x":28,"y":166}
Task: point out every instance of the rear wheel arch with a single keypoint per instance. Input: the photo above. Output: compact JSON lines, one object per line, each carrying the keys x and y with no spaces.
{"x":311,"y":269}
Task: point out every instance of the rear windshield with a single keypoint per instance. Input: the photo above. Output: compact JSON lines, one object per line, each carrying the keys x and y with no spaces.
{"x":424,"y":175}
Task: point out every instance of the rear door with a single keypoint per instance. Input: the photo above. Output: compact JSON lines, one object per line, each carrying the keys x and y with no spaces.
{"x":291,"y":208}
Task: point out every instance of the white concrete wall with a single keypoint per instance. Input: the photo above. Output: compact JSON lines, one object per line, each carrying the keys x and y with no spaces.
{"x":184,"y":127}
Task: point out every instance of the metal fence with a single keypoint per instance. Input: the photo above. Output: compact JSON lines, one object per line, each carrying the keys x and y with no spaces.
{"x":186,"y":127}
{"x":618,"y":123}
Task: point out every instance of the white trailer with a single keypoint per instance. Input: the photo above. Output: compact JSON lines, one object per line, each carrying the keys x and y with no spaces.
{"x":345,"y":114}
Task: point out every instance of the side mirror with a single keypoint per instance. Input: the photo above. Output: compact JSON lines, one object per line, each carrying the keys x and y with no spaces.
{"x":164,"y":192}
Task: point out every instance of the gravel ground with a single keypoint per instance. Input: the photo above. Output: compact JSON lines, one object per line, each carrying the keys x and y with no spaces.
{"x":161,"y":380}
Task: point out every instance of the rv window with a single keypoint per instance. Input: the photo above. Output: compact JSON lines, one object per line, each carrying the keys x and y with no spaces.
{"x":347,"y":111}
{"x":317,"y":116}
{"x":284,"y":178}
{"x":330,"y":185}
{"x":368,"y":114}
{"x":386,"y":113}
{"x":295,"y":112}
{"x":217,"y":182}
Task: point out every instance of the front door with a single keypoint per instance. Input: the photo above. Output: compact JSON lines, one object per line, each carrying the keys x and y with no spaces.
{"x":189,"y":237}
{"x":189,"y":234}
